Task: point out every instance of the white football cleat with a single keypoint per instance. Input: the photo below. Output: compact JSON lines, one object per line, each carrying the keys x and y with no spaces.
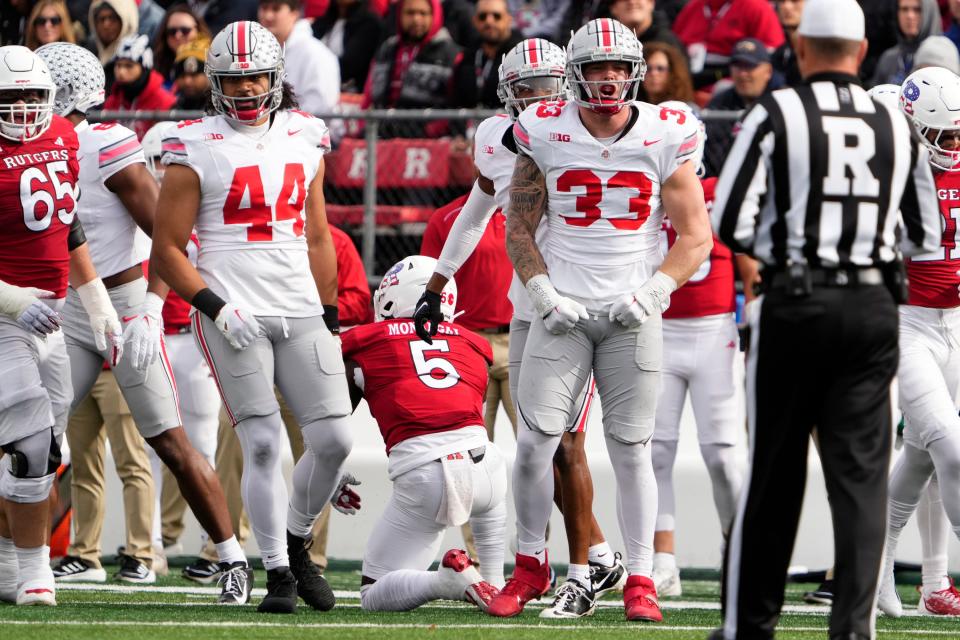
{"x":462,"y":581}
{"x":888,"y":600}
{"x":667,"y":581}
{"x":41,"y":591}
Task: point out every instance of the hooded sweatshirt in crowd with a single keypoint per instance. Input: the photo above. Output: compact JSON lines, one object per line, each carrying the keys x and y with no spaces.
{"x":129,"y":24}
{"x":896,"y":63}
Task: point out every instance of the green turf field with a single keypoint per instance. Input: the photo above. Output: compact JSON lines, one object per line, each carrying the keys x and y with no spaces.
{"x":177,"y":609}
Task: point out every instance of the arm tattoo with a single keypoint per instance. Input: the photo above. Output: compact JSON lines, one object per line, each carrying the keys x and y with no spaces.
{"x":528,"y":201}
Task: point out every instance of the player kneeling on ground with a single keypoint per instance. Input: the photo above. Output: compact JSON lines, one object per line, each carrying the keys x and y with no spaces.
{"x":428,"y":401}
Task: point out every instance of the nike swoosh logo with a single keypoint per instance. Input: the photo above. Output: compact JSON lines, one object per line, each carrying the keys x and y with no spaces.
{"x":293,"y":133}
{"x":128,"y":318}
{"x":647,"y":143}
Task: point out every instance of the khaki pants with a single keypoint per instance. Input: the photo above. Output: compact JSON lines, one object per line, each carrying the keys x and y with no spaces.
{"x":498,"y":392}
{"x":104,"y":413}
{"x":230,"y":469}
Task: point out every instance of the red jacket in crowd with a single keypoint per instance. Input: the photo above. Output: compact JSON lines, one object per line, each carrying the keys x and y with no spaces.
{"x":484,"y":279}
{"x":153,"y":97}
{"x":719,"y":24}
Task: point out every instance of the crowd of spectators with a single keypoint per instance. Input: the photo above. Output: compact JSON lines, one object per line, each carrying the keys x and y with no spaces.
{"x":715,"y":54}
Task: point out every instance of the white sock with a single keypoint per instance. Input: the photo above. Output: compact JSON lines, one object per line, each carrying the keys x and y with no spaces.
{"x":263,"y":488}
{"x":664,"y":561}
{"x":636,"y":502}
{"x":601,"y":554}
{"x":8,"y":569}
{"x":580,"y":573}
{"x":34,"y":563}
{"x":401,"y":590}
{"x":230,"y":551}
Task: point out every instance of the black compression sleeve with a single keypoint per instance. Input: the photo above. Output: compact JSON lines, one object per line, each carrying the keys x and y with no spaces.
{"x":76,"y":237}
{"x":208,"y":303}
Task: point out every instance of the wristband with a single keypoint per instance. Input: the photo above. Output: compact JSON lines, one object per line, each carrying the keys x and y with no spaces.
{"x":331,"y":317}
{"x":208,"y":303}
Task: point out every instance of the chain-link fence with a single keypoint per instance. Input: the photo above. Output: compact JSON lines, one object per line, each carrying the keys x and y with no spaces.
{"x":390,"y":170}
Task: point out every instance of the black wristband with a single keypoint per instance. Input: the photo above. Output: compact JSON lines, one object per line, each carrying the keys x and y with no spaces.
{"x":331,"y":317}
{"x":208,"y":303}
{"x":75,"y":237}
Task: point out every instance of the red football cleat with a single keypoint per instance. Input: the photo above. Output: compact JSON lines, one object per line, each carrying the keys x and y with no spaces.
{"x":640,"y":600}
{"x":530,"y":580}
{"x":945,"y":602}
{"x":463,"y":581}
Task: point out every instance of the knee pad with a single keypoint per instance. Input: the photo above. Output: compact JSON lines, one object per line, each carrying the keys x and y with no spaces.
{"x":34,"y":456}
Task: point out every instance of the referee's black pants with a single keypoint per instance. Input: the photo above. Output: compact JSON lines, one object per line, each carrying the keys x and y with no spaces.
{"x":823,"y":361}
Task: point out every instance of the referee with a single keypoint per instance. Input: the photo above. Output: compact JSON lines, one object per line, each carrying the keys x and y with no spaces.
{"x":811,"y":188}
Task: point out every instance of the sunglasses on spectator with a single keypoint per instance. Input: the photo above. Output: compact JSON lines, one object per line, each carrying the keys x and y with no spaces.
{"x":39,"y":21}
{"x":182,"y":31}
{"x":483,"y":15}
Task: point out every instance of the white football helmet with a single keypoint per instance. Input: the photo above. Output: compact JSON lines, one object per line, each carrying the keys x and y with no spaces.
{"x":930,"y":97}
{"x":152,"y":144}
{"x":240,"y":49}
{"x":688,"y":111}
{"x":536,"y":67}
{"x":604,"y":39}
{"x":78,"y":75}
{"x":402,"y":286}
{"x":886,"y":93}
{"x":22,"y":69}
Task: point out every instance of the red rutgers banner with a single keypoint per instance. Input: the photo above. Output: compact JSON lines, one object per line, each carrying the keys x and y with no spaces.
{"x":401,"y":162}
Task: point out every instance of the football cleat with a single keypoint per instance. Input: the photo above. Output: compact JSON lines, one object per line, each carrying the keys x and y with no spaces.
{"x":132,"y":570}
{"x":202,"y":571}
{"x":888,"y":600}
{"x":640,"y":600}
{"x":235,"y":582}
{"x":281,"y":592}
{"x":945,"y":602}
{"x":460,"y":578}
{"x":667,"y":581}
{"x":822,"y":595}
{"x":604,"y":579}
{"x":311,"y":585}
{"x":74,"y":569}
{"x":41,"y":591}
{"x":572,"y":600}
{"x":530,"y":580}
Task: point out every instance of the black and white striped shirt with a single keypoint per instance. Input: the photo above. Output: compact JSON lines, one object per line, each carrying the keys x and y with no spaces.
{"x":824,"y":175}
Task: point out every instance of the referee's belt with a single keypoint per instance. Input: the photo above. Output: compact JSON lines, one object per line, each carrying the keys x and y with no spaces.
{"x":500,"y":329}
{"x":852,"y":277}
{"x":475,"y":454}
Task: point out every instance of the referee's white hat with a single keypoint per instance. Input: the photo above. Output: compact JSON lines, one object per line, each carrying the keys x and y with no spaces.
{"x":841,"y":19}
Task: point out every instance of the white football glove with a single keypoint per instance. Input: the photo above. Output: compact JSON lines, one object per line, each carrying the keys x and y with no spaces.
{"x":237,"y":325}
{"x":24,"y":305}
{"x":144,"y":331}
{"x":346,"y":500}
{"x":652,"y":298}
{"x":103,"y":318}
{"x":560,"y":314}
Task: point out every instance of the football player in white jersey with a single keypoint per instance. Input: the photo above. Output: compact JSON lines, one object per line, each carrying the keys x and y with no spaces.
{"x":118,"y":198}
{"x":532,"y":71}
{"x":928,"y":376}
{"x":249,"y":178}
{"x":602,"y":169}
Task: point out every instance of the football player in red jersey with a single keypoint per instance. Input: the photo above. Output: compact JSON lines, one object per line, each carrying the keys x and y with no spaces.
{"x":41,"y":247}
{"x":428,"y":402}
{"x":929,"y":371}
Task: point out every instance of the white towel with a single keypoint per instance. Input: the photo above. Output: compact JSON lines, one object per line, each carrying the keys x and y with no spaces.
{"x":457,"y":501}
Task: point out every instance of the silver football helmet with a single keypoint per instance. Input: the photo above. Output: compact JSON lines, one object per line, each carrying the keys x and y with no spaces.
{"x":23,"y":70}
{"x":240,"y":49}
{"x":930,"y":98}
{"x":78,"y":75}
{"x":602,"y":40}
{"x":152,"y":144}
{"x":401,"y":287}
{"x":534,"y":67}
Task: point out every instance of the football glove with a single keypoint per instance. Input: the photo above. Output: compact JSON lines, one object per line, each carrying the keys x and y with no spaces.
{"x":428,"y":310}
{"x":652,"y":298}
{"x":25,"y":306}
{"x":238,"y":326}
{"x":560,"y":314}
{"x":144,"y":331}
{"x":346,"y":500}
{"x":103,"y":318}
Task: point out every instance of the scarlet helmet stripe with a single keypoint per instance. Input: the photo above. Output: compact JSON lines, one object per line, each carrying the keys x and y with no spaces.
{"x":532,"y":53}
{"x":243,"y":37}
{"x":606,"y":29}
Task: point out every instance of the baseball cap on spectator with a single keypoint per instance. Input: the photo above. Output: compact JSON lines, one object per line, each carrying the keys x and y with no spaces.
{"x":135,"y":48}
{"x":937,"y":51}
{"x":841,"y":19}
{"x":749,"y":52}
{"x":191,"y":56}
